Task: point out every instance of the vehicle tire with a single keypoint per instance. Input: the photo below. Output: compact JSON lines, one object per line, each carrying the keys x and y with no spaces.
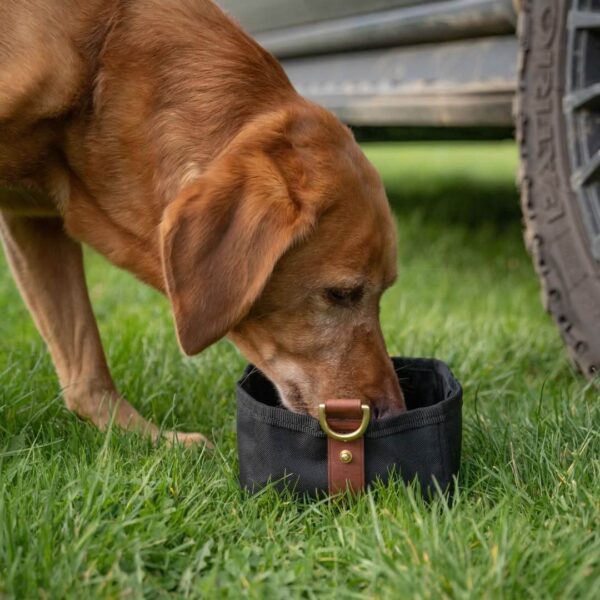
{"x":557,"y":112}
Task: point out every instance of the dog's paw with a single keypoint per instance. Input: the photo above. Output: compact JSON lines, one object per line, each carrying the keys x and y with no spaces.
{"x":188,"y":440}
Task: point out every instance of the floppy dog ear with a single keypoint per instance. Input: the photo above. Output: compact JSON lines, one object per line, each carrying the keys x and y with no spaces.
{"x":221,"y":239}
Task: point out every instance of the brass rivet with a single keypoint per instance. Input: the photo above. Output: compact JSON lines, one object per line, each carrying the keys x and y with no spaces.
{"x":346,"y":456}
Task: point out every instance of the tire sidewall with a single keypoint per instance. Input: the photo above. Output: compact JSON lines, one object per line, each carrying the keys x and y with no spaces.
{"x":555,"y":232}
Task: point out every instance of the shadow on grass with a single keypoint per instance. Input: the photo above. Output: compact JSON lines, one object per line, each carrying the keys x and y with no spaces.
{"x":457,"y":200}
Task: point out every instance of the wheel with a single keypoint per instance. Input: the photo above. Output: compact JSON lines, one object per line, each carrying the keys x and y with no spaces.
{"x":558,"y":131}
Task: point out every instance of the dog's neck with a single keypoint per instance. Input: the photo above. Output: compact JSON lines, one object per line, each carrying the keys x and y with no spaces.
{"x":173,"y":86}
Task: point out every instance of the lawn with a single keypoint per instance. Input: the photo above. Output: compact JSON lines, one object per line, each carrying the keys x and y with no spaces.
{"x":86,"y":514}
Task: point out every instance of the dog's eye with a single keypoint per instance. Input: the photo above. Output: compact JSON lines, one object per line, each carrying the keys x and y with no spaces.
{"x":344,"y":296}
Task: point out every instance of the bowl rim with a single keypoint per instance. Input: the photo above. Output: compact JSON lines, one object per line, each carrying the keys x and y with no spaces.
{"x":416,"y":418}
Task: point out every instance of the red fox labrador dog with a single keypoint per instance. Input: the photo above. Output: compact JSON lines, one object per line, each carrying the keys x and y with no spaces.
{"x":163,"y":136}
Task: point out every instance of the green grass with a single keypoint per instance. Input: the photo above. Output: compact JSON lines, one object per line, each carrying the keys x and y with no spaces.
{"x":85,"y":514}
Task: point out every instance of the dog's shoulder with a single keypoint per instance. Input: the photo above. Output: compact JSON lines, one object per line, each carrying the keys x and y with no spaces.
{"x":42,"y":56}
{"x":46,"y":64}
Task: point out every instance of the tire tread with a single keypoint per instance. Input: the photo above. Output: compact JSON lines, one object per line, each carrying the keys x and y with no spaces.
{"x":544,"y":235}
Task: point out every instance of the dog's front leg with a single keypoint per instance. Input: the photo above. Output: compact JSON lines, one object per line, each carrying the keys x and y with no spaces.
{"x":48,"y":268}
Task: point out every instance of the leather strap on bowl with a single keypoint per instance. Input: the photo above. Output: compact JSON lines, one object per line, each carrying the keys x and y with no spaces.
{"x":345,"y":459}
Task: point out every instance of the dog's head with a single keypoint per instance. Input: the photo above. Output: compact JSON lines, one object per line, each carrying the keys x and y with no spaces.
{"x":285,"y":244}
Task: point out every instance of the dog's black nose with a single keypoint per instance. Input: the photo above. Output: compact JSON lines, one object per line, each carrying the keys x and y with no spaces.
{"x":380,"y":411}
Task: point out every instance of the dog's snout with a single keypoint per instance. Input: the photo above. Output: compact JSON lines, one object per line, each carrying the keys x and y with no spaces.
{"x":387,"y":400}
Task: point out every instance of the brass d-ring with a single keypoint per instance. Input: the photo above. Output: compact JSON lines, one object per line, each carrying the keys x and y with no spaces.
{"x":351,"y":435}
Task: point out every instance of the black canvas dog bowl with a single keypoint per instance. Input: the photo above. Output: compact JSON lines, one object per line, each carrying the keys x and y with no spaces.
{"x":290,"y":450}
